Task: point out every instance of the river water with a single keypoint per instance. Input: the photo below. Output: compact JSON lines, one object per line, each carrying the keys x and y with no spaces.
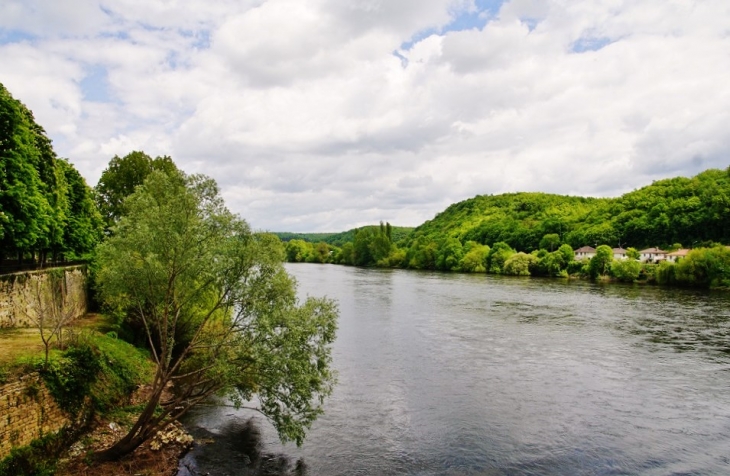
{"x":453,"y":374}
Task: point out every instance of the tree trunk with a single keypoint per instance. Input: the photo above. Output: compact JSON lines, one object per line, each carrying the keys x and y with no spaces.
{"x":143,"y":429}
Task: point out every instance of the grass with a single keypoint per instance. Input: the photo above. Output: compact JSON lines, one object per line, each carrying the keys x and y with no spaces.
{"x":18,"y":345}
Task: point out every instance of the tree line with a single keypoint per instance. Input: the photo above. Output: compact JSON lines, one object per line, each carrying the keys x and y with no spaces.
{"x":47,"y":210}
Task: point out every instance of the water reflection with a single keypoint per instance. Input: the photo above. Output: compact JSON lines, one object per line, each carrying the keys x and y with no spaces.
{"x":238,"y":449}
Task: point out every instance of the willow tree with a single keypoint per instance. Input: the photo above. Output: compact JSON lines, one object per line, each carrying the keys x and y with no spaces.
{"x":220,"y":312}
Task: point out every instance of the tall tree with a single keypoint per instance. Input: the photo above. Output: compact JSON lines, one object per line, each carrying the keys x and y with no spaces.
{"x":122,"y":176}
{"x":25,"y":212}
{"x":219,"y":310}
{"x":83,"y":225}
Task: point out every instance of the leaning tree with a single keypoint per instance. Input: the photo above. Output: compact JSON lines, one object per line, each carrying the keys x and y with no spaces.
{"x":219,"y":311}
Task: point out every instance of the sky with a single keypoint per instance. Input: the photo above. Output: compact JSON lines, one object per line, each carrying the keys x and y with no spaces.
{"x":324,"y":115}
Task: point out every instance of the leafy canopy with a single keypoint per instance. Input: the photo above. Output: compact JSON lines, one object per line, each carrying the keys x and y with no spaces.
{"x":219,"y":310}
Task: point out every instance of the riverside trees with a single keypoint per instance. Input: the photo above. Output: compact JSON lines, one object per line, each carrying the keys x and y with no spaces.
{"x":46,"y":208}
{"x":219,"y":310}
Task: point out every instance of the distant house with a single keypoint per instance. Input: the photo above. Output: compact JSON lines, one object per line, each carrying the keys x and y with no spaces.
{"x":619,"y":253}
{"x":677,"y":255}
{"x":585,"y":252}
{"x":652,"y":255}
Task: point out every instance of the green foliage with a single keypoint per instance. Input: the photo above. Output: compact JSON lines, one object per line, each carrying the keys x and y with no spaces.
{"x":297,"y":251}
{"x":217,"y":306}
{"x":579,"y":268}
{"x":95,"y":368}
{"x":70,"y":377}
{"x":450,"y":254}
{"x":549,"y":264}
{"x":626,"y":270}
{"x":550,"y":242}
{"x":122,"y":176}
{"x":705,"y":267}
{"x":40,"y":458}
{"x":568,"y":254}
{"x":519,"y":264}
{"x":669,"y":211}
{"x":45,"y":205}
{"x":497,"y":257}
{"x":475,"y":258}
{"x":394,"y":233}
{"x":665,"y":273}
{"x":632,"y":253}
{"x":422,"y":254}
{"x":601,"y":263}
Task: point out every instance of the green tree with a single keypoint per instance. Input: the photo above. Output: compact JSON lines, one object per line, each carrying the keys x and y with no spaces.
{"x":600,"y":264}
{"x":568,"y":254}
{"x":83,"y":226}
{"x":626,"y":270}
{"x":122,"y":176}
{"x":704,"y":267}
{"x":320,"y":253}
{"x":519,"y":264}
{"x":26,"y":215}
{"x":297,"y":251}
{"x":475,"y":258}
{"x":498,"y":255}
{"x":550,"y":242}
{"x":362,"y":251}
{"x":347,"y":254}
{"x":632,"y":253}
{"x":449,"y":254}
{"x":219,"y":311}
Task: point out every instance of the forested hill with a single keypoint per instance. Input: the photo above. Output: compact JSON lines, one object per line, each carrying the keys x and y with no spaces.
{"x":339,"y":239}
{"x":678,"y":210}
{"x":519,"y":219}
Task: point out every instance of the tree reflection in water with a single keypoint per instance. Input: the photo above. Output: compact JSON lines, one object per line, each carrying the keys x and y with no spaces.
{"x":236,"y":450}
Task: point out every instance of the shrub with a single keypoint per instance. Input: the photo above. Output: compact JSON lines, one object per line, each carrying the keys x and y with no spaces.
{"x":626,"y":270}
{"x":519,"y":264}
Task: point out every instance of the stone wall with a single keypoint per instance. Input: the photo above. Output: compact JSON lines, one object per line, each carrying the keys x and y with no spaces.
{"x":57,"y":290}
{"x":27,"y":412}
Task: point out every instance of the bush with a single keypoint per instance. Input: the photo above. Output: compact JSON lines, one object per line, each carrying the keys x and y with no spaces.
{"x":37,"y":459}
{"x":98,"y":367}
{"x":626,"y":270}
{"x":665,"y":273}
{"x":519,"y":264}
{"x":69,"y":377}
{"x":705,"y":267}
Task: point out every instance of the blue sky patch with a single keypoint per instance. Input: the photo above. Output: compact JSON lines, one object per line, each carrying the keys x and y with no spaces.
{"x":95,"y":86}
{"x":15,"y":36}
{"x":584,"y":44}
{"x":467,"y":19}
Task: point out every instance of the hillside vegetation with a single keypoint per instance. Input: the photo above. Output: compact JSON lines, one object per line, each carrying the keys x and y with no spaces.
{"x":677,"y":210}
{"x":536,"y":233}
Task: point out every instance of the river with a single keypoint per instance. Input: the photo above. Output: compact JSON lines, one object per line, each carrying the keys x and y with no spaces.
{"x":457,"y":374}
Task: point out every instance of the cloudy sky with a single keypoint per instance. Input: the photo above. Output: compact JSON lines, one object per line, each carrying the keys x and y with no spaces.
{"x":322,"y":115}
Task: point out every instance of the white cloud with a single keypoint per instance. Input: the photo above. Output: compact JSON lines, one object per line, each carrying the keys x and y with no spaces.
{"x":310,"y":120}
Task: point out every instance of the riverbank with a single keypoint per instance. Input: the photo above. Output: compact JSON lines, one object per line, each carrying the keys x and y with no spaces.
{"x":158,"y":457}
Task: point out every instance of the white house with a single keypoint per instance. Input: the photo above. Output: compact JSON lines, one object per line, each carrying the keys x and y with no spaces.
{"x":652,"y":255}
{"x":677,"y":255}
{"x":585,"y":252}
{"x":619,"y":253}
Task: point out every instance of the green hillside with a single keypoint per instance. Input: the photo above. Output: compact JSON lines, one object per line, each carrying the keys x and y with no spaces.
{"x":677,"y":210}
{"x":399,"y":233}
